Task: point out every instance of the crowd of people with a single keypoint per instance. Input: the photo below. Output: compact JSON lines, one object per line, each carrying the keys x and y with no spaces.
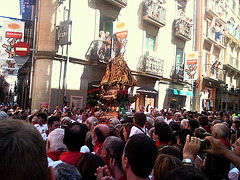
{"x":75,"y":144}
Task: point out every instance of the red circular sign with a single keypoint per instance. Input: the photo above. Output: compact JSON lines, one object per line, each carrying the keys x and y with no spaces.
{"x":21,"y":49}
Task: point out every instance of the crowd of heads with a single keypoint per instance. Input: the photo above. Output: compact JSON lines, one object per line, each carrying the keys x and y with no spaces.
{"x":76,"y":144}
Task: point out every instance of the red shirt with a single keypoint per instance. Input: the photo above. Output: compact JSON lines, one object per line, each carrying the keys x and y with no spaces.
{"x":54,"y":155}
{"x":97,"y":148}
{"x":158,"y":143}
{"x":70,"y":157}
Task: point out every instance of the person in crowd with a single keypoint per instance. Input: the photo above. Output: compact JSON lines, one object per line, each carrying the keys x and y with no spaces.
{"x":163,"y":165}
{"x":41,"y":125}
{"x":149,"y":123}
{"x":100,"y":133}
{"x":217,"y":167}
{"x":87,"y":165}
{"x":186,"y":172}
{"x":168,"y":118}
{"x":55,"y":146}
{"x":139,"y":124}
{"x":22,"y":152}
{"x":66,"y":108}
{"x":181,"y":140}
{"x":203,"y":122}
{"x":139,"y":156}
{"x":53,"y":123}
{"x":64,"y":171}
{"x":234,"y":173}
{"x":177,"y":118}
{"x":184,"y":124}
{"x":126,"y":129}
{"x":65,"y":122}
{"x":163,"y":133}
{"x":3,"y":115}
{"x":115,"y":122}
{"x":108,"y":149}
{"x":74,"y":139}
{"x":192,"y":125}
{"x":171,"y":150}
{"x":91,"y":122}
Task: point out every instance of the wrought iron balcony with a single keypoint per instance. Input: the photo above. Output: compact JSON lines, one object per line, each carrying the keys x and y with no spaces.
{"x":151,"y":65}
{"x":118,"y":3}
{"x":154,"y":13}
{"x":177,"y":72}
{"x":183,"y":29}
{"x":98,"y":51}
{"x":212,"y":71}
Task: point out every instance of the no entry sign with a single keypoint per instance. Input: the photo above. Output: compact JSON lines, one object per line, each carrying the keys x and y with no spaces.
{"x":21,"y":49}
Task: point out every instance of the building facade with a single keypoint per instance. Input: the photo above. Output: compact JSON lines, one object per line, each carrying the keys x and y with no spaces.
{"x":160,"y":33}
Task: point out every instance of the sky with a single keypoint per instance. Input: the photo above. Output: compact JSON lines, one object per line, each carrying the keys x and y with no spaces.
{"x":11,"y":10}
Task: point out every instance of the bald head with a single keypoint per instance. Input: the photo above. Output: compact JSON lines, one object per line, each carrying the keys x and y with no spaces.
{"x":100,"y":132}
{"x":220,"y":131}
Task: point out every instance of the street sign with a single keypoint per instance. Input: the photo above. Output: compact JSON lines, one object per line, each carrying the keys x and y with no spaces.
{"x":21,"y":49}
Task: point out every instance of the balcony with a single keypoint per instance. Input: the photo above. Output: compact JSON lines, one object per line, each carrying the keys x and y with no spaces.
{"x":177,"y":72}
{"x":183,"y":29}
{"x":151,"y":65}
{"x":118,"y":3}
{"x":215,"y":37}
{"x":212,"y":7}
{"x":98,"y":51}
{"x":233,"y":32}
{"x":155,"y":14}
{"x":213,"y":72}
{"x":233,"y":62}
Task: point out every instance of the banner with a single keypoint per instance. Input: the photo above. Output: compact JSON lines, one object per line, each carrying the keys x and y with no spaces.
{"x":191,"y":66}
{"x":13,"y":32}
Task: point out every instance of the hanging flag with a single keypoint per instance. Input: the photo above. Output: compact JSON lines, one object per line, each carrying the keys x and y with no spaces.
{"x":191,"y":66}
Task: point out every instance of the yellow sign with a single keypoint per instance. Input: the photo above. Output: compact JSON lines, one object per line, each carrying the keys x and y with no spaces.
{"x":121,"y":25}
{"x":13,"y":26}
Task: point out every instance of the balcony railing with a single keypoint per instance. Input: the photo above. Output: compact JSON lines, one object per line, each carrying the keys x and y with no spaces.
{"x":98,"y":51}
{"x":233,"y":31}
{"x":183,"y":29}
{"x":151,"y":65}
{"x":209,"y":70}
{"x":215,"y":36}
{"x":154,"y":13}
{"x":212,"y":7}
{"x":232,"y":61}
{"x":118,"y":3}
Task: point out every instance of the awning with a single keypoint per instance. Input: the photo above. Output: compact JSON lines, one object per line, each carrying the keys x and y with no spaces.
{"x":180,"y":92}
{"x":147,"y":90}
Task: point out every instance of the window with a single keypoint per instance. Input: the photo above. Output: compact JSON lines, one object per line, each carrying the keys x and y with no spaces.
{"x":179,"y":59}
{"x":233,"y":4}
{"x":106,"y":24}
{"x":150,"y":43}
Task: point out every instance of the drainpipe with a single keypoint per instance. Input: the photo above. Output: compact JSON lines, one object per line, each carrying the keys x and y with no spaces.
{"x":33,"y":53}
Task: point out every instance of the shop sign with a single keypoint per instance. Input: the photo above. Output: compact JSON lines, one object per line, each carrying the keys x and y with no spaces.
{"x":76,"y":101}
{"x":13,"y":32}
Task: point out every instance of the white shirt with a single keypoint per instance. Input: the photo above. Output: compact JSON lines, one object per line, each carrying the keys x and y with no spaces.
{"x":42,"y":129}
{"x":136,"y":130}
{"x":233,"y":174}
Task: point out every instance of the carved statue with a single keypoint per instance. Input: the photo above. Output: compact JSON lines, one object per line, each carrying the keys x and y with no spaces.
{"x":117,"y":71}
